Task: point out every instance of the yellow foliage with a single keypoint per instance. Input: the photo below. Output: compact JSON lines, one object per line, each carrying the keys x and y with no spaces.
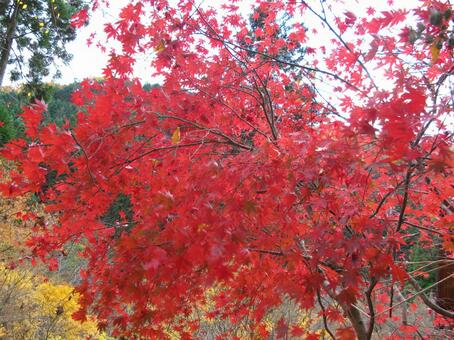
{"x":12,"y":232}
{"x":435,"y":50}
{"x":31,"y":308}
{"x":60,"y":302}
{"x":247,"y":328}
{"x":161,"y":47}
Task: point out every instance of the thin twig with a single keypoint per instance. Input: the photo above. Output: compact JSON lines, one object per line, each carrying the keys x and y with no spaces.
{"x":338,"y":36}
{"x":428,"y":302}
{"x":325,"y":321}
{"x":373,"y":283}
{"x":420,"y":293}
{"x":86,"y":158}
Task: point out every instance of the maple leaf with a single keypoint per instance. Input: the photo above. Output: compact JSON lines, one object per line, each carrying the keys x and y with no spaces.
{"x":388,"y":18}
{"x":282,"y":329}
{"x":176,"y":136}
{"x":80,"y":18}
{"x":435,"y":51}
{"x":373,"y":51}
{"x":161,"y":46}
{"x":312,"y":336}
{"x":350,"y":18}
{"x":32,"y":116}
{"x":297,"y":331}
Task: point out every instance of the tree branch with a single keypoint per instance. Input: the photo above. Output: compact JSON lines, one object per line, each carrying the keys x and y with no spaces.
{"x":325,"y":321}
{"x":339,"y":37}
{"x":373,"y":283}
{"x":432,"y":305}
{"x":425,"y":299}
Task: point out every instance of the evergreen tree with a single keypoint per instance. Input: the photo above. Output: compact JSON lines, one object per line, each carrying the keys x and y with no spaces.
{"x":33,"y":34}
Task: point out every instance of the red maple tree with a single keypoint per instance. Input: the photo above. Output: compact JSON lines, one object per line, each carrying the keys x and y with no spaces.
{"x":239,"y":172}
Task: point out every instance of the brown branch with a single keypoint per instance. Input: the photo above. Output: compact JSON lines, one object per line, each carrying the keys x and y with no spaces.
{"x":268,"y":112}
{"x":424,"y":297}
{"x":432,"y":305}
{"x":425,"y":228}
{"x":169,"y":147}
{"x":370,"y":304}
{"x":391,"y":300}
{"x":383,"y":200}
{"x":93,"y":179}
{"x":421,"y":133}
{"x":339,"y":37}
{"x":283,"y":62}
{"x":325,"y":321}
{"x":210,"y":130}
{"x":221,"y":102}
{"x":353,"y":314}
{"x":405,"y":199}
{"x":270,"y":252}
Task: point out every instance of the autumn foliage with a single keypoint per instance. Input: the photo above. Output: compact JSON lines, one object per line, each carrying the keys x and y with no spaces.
{"x":33,"y":306}
{"x":239,"y":172}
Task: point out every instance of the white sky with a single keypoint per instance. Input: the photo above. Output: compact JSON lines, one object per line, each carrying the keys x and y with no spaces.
{"x":88,"y":61}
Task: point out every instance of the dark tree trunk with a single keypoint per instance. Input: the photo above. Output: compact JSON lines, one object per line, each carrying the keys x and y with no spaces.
{"x":445,"y":292}
{"x":7,"y":41}
{"x":357,"y":322}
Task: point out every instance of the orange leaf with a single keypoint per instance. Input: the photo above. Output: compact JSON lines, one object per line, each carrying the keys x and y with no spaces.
{"x":161,"y":47}
{"x":176,"y":136}
{"x":435,"y":52}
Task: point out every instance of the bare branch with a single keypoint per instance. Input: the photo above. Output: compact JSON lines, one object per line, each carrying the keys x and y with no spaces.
{"x":373,"y":283}
{"x":432,"y":305}
{"x":325,"y":321}
{"x":426,"y":300}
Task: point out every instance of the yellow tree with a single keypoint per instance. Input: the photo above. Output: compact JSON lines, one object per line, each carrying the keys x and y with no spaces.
{"x":31,"y":308}
{"x":31,"y":305}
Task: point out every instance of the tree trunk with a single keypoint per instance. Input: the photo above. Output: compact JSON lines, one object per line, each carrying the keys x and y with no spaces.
{"x":357,"y":322}
{"x":445,"y":291}
{"x":7,"y":41}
